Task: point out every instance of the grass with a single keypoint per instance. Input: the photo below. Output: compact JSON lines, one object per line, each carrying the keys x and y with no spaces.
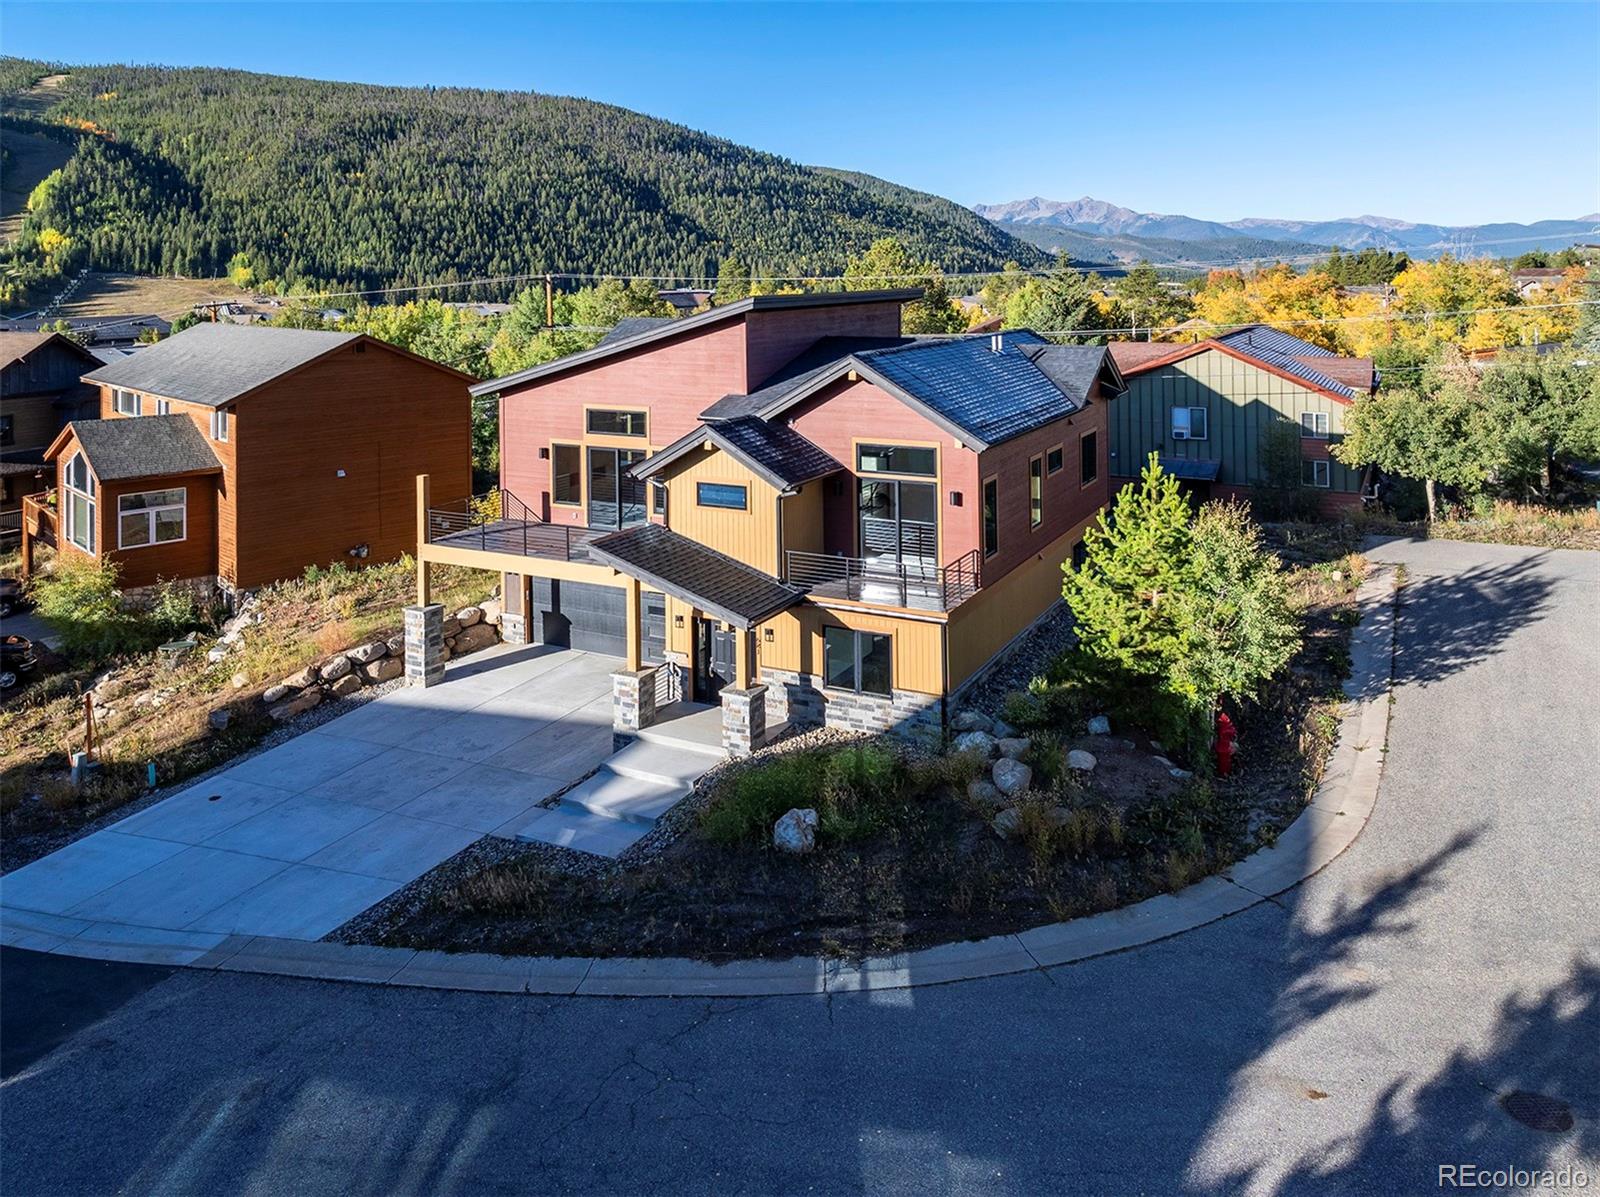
{"x":302,"y":621}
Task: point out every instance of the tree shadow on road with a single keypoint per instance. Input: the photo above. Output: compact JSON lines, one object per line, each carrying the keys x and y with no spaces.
{"x":1452,"y":622}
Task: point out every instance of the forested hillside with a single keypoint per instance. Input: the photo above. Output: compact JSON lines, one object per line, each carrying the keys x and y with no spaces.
{"x":190,"y":170}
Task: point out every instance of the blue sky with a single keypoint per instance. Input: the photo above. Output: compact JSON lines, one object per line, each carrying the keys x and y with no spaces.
{"x":1452,"y":113}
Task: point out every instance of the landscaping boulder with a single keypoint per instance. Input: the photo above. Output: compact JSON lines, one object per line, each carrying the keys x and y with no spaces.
{"x":383,"y":669}
{"x":480,"y":635}
{"x":491,"y":610}
{"x":1099,"y":726}
{"x":1014,"y":746}
{"x":335,"y":669}
{"x":971,"y":721}
{"x":239,"y":680}
{"x":980,"y":742}
{"x":362,"y":654}
{"x":468,"y":616}
{"x":299,"y":681}
{"x":109,"y":688}
{"x":216,"y":652}
{"x":1011,"y":776}
{"x":300,"y":703}
{"x":984,"y":791}
{"x":396,"y":645}
{"x":1180,"y":774}
{"x":218,"y":719}
{"x":1008,"y":823}
{"x":796,"y":832}
{"x":1082,"y":761}
{"x":452,"y":625}
{"x":348,"y":684}
{"x":276,"y":693}
{"x":1001,"y":730}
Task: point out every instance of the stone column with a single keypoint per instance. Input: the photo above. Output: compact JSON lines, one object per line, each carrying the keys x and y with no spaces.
{"x":744,"y":719}
{"x":633,"y":699}
{"x":425,"y":645}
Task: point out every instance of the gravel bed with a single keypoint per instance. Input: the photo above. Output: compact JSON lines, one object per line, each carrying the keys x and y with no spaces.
{"x":1038,"y":650}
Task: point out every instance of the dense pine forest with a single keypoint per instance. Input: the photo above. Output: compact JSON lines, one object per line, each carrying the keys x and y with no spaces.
{"x":305,"y":183}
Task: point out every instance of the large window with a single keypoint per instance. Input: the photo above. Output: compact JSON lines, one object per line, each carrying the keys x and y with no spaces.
{"x":566,"y":475}
{"x":1314,"y":424}
{"x":991,"y":517}
{"x":154,"y":517}
{"x":899,"y":520}
{"x":1188,"y":423}
{"x":897,"y":459}
{"x":722,"y":494}
{"x":1089,"y":450}
{"x":125,"y":403}
{"x":1035,"y":492}
{"x":859,"y":661}
{"x":1314,"y":473}
{"x":617,"y":423}
{"x":78,"y":504}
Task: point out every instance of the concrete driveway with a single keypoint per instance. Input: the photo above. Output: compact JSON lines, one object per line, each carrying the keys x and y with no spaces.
{"x":297,"y":840}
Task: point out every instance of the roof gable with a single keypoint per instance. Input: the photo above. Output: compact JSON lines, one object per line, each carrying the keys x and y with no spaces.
{"x":14,"y":346}
{"x":140,"y":447}
{"x":1284,"y":367}
{"x":775,"y":453}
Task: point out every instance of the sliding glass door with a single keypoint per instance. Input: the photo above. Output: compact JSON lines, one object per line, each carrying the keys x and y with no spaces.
{"x":616,"y":500}
{"x":900,"y":521}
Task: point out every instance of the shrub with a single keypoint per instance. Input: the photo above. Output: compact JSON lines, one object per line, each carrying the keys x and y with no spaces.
{"x":80,"y":599}
{"x":851,"y":790}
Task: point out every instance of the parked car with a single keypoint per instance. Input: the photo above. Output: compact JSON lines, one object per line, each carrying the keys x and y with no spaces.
{"x":16,"y":660}
{"x":13,"y":597}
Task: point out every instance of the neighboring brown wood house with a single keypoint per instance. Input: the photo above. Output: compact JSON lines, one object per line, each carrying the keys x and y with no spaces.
{"x":40,"y":391}
{"x":245,"y":454}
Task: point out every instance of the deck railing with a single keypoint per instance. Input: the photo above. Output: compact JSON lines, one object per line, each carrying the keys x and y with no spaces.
{"x":38,"y":516}
{"x":916,"y":583}
{"x":497,"y":521}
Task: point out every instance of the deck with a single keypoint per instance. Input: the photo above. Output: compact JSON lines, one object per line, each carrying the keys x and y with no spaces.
{"x":522,"y":538}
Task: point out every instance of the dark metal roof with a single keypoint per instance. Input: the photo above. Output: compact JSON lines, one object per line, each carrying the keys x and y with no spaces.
{"x":774,"y":452}
{"x":1286,"y":353}
{"x":632,"y":326}
{"x":214,"y":364}
{"x":1190,"y":471}
{"x":144,"y":447}
{"x":688,"y":570}
{"x":826,"y":356}
{"x":753,"y":303}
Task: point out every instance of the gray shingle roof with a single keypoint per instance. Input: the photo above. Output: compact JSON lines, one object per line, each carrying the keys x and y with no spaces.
{"x":216,"y":363}
{"x":687,"y":569}
{"x":754,"y":303}
{"x":1074,"y":368}
{"x":144,"y":447}
{"x":631,"y":326}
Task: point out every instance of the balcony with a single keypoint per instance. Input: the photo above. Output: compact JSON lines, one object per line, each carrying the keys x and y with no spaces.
{"x":917,"y":583}
{"x":499,"y":522}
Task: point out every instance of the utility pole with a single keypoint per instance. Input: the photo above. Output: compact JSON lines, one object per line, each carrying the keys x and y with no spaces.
{"x":549,"y":302}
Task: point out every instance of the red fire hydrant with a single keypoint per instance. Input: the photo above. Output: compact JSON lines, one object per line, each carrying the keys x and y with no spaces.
{"x":1226,"y":738}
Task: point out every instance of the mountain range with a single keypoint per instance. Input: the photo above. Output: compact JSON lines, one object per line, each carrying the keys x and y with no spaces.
{"x":1042,"y":220}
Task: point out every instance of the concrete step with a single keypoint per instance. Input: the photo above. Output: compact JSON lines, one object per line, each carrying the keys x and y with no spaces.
{"x":616,"y":796}
{"x":668,"y":764}
{"x":699,"y":732}
{"x":582,"y":830}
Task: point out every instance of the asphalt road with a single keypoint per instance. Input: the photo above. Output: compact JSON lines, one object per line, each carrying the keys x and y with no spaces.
{"x":1350,"y":1038}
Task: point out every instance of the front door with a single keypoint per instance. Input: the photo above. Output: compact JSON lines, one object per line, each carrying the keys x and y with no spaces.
{"x":616,"y":500}
{"x":714,"y":659}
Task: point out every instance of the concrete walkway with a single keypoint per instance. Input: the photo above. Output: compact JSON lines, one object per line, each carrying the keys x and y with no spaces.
{"x":297,"y":840}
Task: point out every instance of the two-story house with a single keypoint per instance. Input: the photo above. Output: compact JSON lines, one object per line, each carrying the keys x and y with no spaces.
{"x":784,"y":506}
{"x":1201,"y":408}
{"x":40,"y":391}
{"x":238,"y":456}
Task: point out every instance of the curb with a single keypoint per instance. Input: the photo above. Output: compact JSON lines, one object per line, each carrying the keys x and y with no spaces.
{"x":1336,"y":815}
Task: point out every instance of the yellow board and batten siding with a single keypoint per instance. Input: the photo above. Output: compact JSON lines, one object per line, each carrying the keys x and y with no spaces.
{"x":750,"y":535}
{"x":1240,"y":401}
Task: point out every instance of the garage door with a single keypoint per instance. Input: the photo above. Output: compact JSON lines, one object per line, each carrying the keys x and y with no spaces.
{"x":580,"y":615}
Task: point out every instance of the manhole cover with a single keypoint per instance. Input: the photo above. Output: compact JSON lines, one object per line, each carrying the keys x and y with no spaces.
{"x":1538,"y":1111}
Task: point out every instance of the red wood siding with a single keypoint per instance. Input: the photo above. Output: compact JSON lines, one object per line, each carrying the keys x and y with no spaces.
{"x":778,"y":337}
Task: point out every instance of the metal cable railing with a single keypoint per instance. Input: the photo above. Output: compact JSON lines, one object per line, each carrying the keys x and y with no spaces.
{"x":916,"y":583}
{"x":499,"y":522}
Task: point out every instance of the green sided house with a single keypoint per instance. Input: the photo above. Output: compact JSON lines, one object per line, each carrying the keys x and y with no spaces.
{"x":1202,"y":408}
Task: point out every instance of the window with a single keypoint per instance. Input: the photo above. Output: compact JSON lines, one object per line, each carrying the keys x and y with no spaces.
{"x":1035,"y":491}
{"x":897,"y":459}
{"x":1090,"y":452}
{"x":1054,"y":460}
{"x":991,"y":517}
{"x":220,"y":421}
{"x":79,"y":505}
{"x":155,"y":517}
{"x":125,"y":403}
{"x":658,"y":497}
{"x":722,"y":494}
{"x":859,"y":661}
{"x":566,"y":469}
{"x":8,"y":432}
{"x":617,"y":423}
{"x":1188,"y":423}
{"x":163,"y":407}
{"x":1314,"y":473}
{"x":1314,"y":424}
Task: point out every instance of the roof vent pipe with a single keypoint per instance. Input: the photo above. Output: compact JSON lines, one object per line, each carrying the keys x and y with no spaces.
{"x":997,"y":343}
